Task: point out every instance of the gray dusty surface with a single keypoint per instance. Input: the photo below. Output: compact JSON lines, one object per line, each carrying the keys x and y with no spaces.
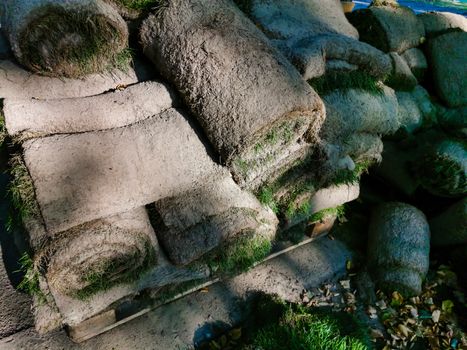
{"x":231,"y":77}
{"x":388,"y":28}
{"x":15,"y":82}
{"x":310,"y":33}
{"x":87,"y":176}
{"x":15,"y":307}
{"x":73,"y":115}
{"x":447,"y":58}
{"x":179,"y":324}
{"x":205,"y":217}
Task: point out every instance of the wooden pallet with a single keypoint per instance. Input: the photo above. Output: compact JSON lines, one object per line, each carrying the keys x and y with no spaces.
{"x":141,"y":305}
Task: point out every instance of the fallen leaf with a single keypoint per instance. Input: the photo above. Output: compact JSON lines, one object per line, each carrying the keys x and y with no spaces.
{"x":404,"y":330}
{"x":447,"y":306}
{"x":345,"y":284}
{"x":435,"y":316}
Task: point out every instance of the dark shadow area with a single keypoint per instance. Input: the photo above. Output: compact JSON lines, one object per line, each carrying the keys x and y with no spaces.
{"x":13,"y":243}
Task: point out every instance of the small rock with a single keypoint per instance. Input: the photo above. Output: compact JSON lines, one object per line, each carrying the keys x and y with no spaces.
{"x":388,"y":28}
{"x":381,"y":304}
{"x":404,"y":330}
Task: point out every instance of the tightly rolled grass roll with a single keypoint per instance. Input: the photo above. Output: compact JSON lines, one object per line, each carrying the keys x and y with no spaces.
{"x":398,"y":248}
{"x":101,"y":254}
{"x":16,"y":83}
{"x":251,"y":102}
{"x":388,"y":28}
{"x":363,"y":147}
{"x":311,"y":33}
{"x":86,"y":176}
{"x":39,"y":118}
{"x":68,"y":38}
{"x":442,"y":168}
{"x":211,"y":214}
{"x":354,"y":110}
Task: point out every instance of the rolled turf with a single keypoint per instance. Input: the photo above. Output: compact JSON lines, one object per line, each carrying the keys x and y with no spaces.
{"x":68,"y":38}
{"x":313,"y":33}
{"x":254,"y":107}
{"x":211,"y":214}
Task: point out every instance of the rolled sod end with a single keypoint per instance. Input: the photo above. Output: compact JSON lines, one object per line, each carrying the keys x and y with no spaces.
{"x":399,"y":248}
{"x":253,"y":105}
{"x":208,"y":216}
{"x":99,"y":255}
{"x":442,"y":170}
{"x":69,"y":38}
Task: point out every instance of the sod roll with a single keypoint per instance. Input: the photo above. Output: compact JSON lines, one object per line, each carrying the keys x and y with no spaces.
{"x":18,"y":83}
{"x":363,"y":147}
{"x":211,"y":214}
{"x":312,"y":33}
{"x":86,"y":176}
{"x":104,"y":262}
{"x":253,"y":105}
{"x":68,"y":38}
{"x":398,"y":248}
{"x":101,"y":254}
{"x":442,"y":167}
{"x":38,"y":118}
{"x":353,"y":110}
{"x":389,"y":28}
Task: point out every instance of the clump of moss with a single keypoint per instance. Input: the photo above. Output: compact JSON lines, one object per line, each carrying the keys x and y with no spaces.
{"x":268,"y":194}
{"x":239,"y":255}
{"x":350,"y":177}
{"x":346,"y":80}
{"x":122,"y":61}
{"x":277,"y":325}
{"x":338,"y":212}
